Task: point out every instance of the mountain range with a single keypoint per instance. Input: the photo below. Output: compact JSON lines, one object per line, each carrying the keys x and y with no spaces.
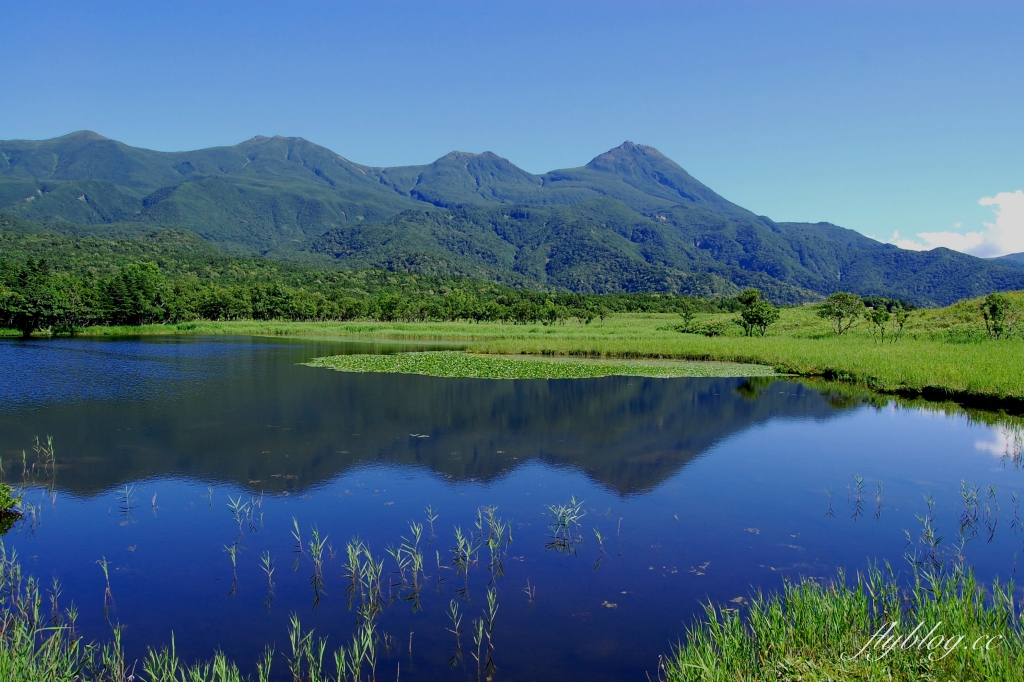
{"x":630,"y":220}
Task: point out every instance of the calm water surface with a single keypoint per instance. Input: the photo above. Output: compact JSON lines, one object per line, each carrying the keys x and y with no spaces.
{"x":701,"y":489}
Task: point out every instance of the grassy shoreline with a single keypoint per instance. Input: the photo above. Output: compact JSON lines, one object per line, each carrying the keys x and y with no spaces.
{"x":945,"y":627}
{"x":943,"y":355}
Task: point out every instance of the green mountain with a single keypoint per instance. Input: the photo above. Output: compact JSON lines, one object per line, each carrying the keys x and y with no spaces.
{"x":1014,"y":260}
{"x":630,"y":220}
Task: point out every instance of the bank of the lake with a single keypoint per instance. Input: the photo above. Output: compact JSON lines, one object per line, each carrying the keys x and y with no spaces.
{"x":943,"y":354}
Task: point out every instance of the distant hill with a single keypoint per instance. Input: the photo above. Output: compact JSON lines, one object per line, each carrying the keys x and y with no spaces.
{"x":630,"y":220}
{"x":1014,"y":260}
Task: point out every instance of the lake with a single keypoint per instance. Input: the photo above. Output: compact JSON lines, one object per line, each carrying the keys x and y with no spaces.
{"x":189,"y":465}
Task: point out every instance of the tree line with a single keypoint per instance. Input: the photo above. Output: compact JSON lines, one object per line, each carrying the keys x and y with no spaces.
{"x":37,"y":296}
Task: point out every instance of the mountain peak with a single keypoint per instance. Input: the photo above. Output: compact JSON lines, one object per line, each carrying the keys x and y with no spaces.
{"x":82,"y":135}
{"x":625,"y":153}
{"x":470,"y":156}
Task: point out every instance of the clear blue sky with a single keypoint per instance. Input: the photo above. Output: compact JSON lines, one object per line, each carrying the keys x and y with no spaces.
{"x":880,"y":116}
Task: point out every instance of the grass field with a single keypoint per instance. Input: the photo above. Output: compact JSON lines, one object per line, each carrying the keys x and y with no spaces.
{"x":944,"y":353}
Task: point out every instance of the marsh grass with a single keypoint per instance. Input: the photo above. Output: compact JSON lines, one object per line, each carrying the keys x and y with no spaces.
{"x":564,"y":530}
{"x":457,"y":364}
{"x":823,"y":631}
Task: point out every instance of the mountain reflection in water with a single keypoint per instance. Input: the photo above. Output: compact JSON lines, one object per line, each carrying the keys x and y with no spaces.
{"x":244,"y":411}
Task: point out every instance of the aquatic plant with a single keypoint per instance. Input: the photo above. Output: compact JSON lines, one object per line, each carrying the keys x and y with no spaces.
{"x":565,"y":525}
{"x":531,"y":591}
{"x":108,"y":596}
{"x":45,"y":455}
{"x":316,"y":553}
{"x":238,"y":510}
{"x":459,"y":364}
{"x":431,"y":517}
{"x":232,"y":551}
{"x":464,"y":553}
{"x":267,"y":564}
{"x":496,"y":534}
{"x":125,"y":500}
{"x":930,"y":540}
{"x":858,"y":496}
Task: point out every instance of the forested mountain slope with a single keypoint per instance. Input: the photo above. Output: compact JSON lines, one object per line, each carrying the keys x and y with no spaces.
{"x":630,"y":220}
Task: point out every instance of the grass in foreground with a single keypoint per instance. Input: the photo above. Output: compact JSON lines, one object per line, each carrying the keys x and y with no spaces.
{"x":457,"y":364}
{"x":813,"y":632}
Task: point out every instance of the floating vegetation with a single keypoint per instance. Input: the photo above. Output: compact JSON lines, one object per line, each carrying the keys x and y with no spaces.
{"x":456,"y":364}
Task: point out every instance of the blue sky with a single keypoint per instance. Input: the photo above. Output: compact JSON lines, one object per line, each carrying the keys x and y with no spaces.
{"x":886,"y":117}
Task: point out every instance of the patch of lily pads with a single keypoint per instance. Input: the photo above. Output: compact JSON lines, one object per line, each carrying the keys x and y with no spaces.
{"x":457,"y":364}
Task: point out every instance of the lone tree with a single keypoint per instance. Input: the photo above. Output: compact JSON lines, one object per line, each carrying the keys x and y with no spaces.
{"x":1000,"y":315}
{"x":686,"y":311}
{"x":757,"y":314}
{"x":758,"y":317}
{"x":843,"y":309}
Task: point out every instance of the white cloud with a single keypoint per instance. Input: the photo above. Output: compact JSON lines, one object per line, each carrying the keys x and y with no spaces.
{"x":1004,"y":443}
{"x":1005,"y":235}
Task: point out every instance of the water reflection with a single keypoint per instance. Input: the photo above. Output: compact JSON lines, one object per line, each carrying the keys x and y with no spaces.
{"x":245,"y":412}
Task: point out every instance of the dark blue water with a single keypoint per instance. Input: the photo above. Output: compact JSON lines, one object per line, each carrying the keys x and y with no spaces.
{"x":701,"y":489}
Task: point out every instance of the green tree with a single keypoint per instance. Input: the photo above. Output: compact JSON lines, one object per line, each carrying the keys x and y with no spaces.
{"x":749,"y":297}
{"x":270,"y":301}
{"x":842,"y":309}
{"x":1000,"y":315}
{"x":900,"y":315}
{"x":385,"y":307}
{"x":878,"y":319}
{"x":757,"y":317}
{"x":686,"y":311}
{"x":42,"y":300}
{"x":136,"y":295}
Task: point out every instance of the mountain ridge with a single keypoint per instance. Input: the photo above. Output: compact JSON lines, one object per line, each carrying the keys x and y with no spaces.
{"x":630,"y":219}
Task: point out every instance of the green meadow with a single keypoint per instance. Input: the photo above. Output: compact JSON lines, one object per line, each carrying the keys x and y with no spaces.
{"x":943,"y":353}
